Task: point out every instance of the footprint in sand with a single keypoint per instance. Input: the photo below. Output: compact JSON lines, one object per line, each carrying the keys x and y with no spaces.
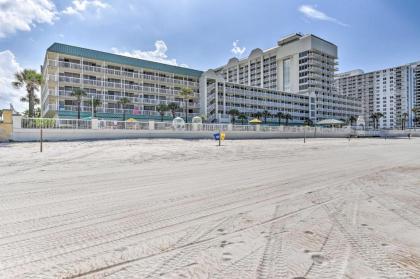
{"x":318,"y":259}
{"x":226,"y":256}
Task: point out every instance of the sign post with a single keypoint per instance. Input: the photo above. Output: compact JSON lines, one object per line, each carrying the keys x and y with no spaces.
{"x":41,"y":140}
{"x":219,"y":137}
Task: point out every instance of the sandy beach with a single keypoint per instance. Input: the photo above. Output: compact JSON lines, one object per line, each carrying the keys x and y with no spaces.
{"x":329,"y":208}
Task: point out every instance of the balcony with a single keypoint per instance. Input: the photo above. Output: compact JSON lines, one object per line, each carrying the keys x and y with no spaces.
{"x":120,"y":73}
{"x":116,"y":98}
{"x":116,"y":85}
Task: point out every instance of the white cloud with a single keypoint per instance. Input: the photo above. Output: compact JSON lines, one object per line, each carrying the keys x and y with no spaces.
{"x":8,"y":94}
{"x":157,"y":55}
{"x":237,"y":50}
{"x":312,"y":13}
{"x":23,"y":15}
{"x":78,"y":7}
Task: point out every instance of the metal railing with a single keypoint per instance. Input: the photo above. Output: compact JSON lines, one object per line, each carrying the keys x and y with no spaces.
{"x":55,"y":123}
{"x":135,"y":75}
{"x":122,"y":125}
{"x":58,"y":123}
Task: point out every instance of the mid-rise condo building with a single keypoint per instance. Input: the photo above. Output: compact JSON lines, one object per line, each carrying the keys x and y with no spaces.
{"x":109,"y":78}
{"x":294,"y":78}
{"x":394,"y":92}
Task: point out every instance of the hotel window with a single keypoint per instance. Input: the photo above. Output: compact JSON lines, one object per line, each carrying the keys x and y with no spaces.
{"x":286,"y":74}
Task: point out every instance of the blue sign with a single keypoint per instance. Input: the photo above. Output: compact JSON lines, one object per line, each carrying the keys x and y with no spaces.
{"x":216,"y":136}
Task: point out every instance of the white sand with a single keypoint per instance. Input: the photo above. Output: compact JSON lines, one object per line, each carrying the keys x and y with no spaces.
{"x":188,"y":209}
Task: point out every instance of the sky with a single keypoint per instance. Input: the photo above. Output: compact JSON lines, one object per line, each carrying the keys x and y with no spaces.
{"x":204,"y":34}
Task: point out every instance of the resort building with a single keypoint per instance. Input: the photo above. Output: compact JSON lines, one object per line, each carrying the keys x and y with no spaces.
{"x":109,"y":78}
{"x":294,"y":78}
{"x":394,"y":92}
{"x":218,"y":97}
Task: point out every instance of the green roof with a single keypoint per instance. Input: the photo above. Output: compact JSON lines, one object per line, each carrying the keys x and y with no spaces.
{"x":119,"y":59}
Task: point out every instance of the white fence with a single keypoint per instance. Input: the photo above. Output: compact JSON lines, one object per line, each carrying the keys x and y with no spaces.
{"x":28,"y":129}
{"x":122,"y":125}
{"x":52,"y":123}
{"x":58,"y":123}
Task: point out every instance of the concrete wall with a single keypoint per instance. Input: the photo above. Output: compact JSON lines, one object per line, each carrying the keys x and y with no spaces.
{"x":90,"y":134}
{"x":6,"y":125}
{"x":195,"y":132}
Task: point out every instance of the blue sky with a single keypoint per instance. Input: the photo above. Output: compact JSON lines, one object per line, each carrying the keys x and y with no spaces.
{"x":370,"y":34}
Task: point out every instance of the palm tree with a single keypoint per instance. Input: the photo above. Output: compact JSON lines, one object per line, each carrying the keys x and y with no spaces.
{"x":403,"y":120}
{"x":186,"y":94}
{"x":37,"y":112}
{"x":78,"y":93}
{"x":308,"y":122}
{"x":233,"y":113}
{"x":415,"y":118}
{"x":280,"y":115}
{"x":258,"y":115}
{"x":203,"y":118}
{"x":266,"y":114}
{"x":36,"y":101}
{"x":379,"y":115}
{"x":352,"y":119}
{"x":288,"y":117}
{"x":374,"y":118}
{"x":32,"y":81}
{"x":243,"y":118}
{"x":162,"y":108}
{"x":173,"y":107}
{"x":95,"y":103}
{"x":123,"y":102}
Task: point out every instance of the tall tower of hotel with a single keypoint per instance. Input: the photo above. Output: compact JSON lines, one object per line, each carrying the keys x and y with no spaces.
{"x":299,"y":63}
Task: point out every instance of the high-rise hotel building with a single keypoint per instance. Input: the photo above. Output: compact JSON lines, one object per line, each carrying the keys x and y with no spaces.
{"x":295,"y":77}
{"x":392,"y":92}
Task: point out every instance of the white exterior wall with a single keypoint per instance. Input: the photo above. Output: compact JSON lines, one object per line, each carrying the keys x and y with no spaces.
{"x":393,"y":93}
{"x":25,"y":135}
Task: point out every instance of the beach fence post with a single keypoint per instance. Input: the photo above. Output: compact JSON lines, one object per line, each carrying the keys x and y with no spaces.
{"x":220,"y":137}
{"x":304,"y":134}
{"x":40,"y":140}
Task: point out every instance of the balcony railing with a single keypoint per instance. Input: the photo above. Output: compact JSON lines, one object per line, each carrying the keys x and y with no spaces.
{"x":134,"y":75}
{"x":116,"y":85}
{"x":58,"y":123}
{"x":116,"y":98}
{"x":114,"y":110}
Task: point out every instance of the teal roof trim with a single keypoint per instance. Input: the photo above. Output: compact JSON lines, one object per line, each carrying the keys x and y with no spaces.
{"x":119,"y":59}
